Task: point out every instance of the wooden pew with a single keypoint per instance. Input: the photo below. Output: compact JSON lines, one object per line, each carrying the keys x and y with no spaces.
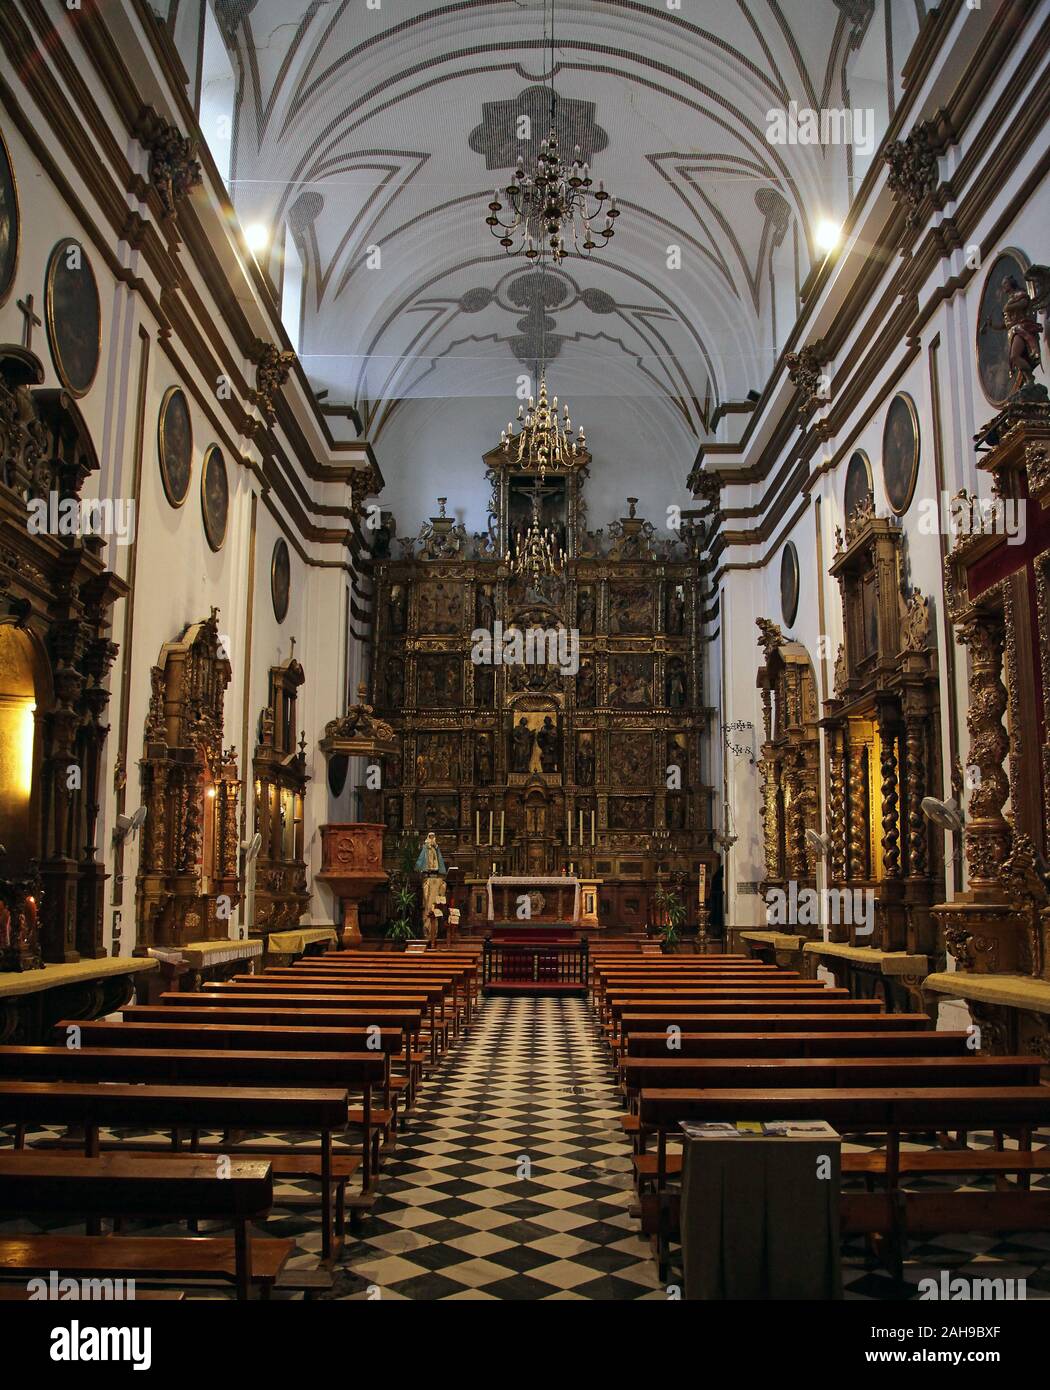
{"x":430,"y":1000}
{"x":115,"y":1185}
{"x":30,"y":1104}
{"x":154,"y":1026}
{"x":891,"y":1111}
{"x":915,"y":1043}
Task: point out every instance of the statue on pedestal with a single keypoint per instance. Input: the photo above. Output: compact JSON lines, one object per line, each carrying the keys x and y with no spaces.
{"x":430,"y":862}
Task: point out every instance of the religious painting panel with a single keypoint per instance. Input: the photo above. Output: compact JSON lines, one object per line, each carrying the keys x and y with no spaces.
{"x":74,"y":316}
{"x":485,"y":607}
{"x":858,"y":490}
{"x":438,"y":760}
{"x":9,"y":222}
{"x":440,"y":607}
{"x":630,"y":680}
{"x":789,"y":584}
{"x":549,"y":497}
{"x":900,"y":452}
{"x":392,"y":812}
{"x":215,"y":497}
{"x":393,"y":687}
{"x":1005,"y":278}
{"x":630,"y":812}
{"x":280,"y":579}
{"x":439,"y":680}
{"x":631,"y":758}
{"x":175,"y":445}
{"x":630,"y":609}
{"x":437,"y":812}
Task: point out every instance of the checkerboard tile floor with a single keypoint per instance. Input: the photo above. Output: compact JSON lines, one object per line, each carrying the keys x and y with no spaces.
{"x":511,"y":1179}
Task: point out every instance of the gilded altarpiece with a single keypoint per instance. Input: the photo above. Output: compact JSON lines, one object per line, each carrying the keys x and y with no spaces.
{"x":280,"y":780}
{"x":587,"y":753}
{"x":882,"y":745}
{"x":790,"y":760}
{"x":998,"y":592}
{"x":188,"y":880}
{"x":55,"y":655}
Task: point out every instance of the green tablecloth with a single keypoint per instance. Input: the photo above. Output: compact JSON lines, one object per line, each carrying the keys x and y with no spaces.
{"x":757,"y":1221}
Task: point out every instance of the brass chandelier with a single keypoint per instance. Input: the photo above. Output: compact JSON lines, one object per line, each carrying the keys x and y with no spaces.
{"x":542,"y":440}
{"x":554,"y":202}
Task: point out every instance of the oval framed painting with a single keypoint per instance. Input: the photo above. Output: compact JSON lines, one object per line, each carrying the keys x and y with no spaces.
{"x":175,"y":445}
{"x":280,"y":579}
{"x":10,"y":222}
{"x":859,"y":487}
{"x":1007,"y":273}
{"x":789,"y":584}
{"x":74,"y":316}
{"x":900,"y":452}
{"x":215,"y":497}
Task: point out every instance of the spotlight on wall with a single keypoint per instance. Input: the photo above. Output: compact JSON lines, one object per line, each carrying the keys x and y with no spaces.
{"x":256,"y":237}
{"x":946,"y":814}
{"x":827,"y":235}
{"x":127,"y":827}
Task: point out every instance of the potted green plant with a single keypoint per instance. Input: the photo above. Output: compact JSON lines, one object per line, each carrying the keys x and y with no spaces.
{"x":672,"y":914}
{"x":402,"y":898}
{"x":399,"y":928}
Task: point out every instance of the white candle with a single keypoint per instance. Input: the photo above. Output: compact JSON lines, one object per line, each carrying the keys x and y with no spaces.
{"x":592,"y":830}
{"x":477,"y":827}
{"x":581,"y":828}
{"x":502,"y":815}
{"x":490,"y":827}
{"x":568,"y":824}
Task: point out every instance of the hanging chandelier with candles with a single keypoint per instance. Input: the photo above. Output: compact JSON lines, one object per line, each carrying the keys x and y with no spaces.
{"x":542,"y":440}
{"x":536,"y":553}
{"x":555,"y":203}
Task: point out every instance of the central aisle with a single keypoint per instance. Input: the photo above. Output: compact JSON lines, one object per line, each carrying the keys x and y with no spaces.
{"x":460,"y":1215}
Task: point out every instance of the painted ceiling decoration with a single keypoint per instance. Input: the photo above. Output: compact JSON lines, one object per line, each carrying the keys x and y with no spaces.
{"x":378,"y":135}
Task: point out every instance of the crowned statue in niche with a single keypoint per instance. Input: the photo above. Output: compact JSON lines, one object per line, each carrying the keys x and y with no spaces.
{"x":430,"y":862}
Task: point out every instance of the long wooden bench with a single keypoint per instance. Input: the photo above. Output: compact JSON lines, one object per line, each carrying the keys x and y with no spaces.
{"x":363,"y":1072}
{"x":890,"y":1111}
{"x":112,"y":1185}
{"x":31,"y":1104}
{"x":913,"y":1043}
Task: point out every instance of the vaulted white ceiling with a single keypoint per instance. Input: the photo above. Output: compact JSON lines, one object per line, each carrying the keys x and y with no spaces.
{"x":389,"y":127}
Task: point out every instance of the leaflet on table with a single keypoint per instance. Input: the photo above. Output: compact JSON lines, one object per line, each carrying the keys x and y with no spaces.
{"x":784,"y":1129}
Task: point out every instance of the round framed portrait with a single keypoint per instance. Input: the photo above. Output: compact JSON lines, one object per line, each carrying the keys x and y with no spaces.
{"x":175,"y":445}
{"x":1005,"y":276}
{"x":858,"y":483}
{"x":74,"y":316}
{"x":215,"y":497}
{"x":280,"y":579}
{"x":900,"y":452}
{"x":10,"y":224}
{"x":789,"y":584}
